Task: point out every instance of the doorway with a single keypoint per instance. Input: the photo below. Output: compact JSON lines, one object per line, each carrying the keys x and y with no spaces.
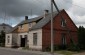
{"x":64,"y":41}
{"x":23,"y":40}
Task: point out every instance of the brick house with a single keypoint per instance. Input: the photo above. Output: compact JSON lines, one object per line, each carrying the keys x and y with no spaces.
{"x":35,"y":32}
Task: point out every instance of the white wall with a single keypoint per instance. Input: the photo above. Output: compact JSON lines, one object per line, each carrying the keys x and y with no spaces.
{"x":39,"y":39}
{"x":14,"y":39}
{"x":10,"y":40}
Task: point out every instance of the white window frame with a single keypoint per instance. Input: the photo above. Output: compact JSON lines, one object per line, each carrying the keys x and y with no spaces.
{"x":8,"y":39}
{"x":30,"y":25}
{"x":35,"y":39}
{"x":62,"y":23}
{"x":21,"y":26}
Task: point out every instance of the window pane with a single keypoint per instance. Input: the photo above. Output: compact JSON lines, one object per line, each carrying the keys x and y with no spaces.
{"x":8,"y":38}
{"x":63,"y":23}
{"x":34,"y":38}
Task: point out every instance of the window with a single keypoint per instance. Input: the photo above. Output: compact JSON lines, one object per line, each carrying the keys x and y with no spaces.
{"x":63,"y":23}
{"x":30,"y":25}
{"x":8,"y":39}
{"x":21,"y":26}
{"x":34,"y":38}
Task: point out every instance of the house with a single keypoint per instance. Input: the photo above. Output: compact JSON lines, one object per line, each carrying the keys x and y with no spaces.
{"x":5,"y":27}
{"x":36,"y":32}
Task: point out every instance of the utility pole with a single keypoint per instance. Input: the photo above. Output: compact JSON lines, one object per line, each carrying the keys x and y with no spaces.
{"x":52,"y":42}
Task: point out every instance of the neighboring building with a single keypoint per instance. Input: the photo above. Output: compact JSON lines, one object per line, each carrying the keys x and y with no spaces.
{"x":5,"y":27}
{"x":36,"y":32}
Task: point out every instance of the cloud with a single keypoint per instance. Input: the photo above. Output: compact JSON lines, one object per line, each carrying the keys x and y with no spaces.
{"x":78,"y":7}
{"x":18,"y":8}
{"x":78,"y":19}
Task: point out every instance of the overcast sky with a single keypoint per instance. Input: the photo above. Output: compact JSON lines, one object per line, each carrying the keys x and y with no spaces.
{"x":14,"y":10}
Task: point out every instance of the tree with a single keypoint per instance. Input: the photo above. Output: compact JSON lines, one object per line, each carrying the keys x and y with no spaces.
{"x":81,"y":37}
{"x":2,"y":38}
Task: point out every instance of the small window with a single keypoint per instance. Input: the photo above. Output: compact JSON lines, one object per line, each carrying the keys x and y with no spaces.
{"x":21,"y":26}
{"x":30,"y":25}
{"x":34,"y":38}
{"x":63,"y":23}
{"x":8,"y":39}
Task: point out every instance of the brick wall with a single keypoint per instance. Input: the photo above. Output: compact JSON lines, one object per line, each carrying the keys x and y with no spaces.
{"x":58,"y":30}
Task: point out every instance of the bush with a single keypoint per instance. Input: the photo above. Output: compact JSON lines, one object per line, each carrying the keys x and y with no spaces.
{"x":73,"y":48}
{"x":56,"y":47}
{"x":2,"y":44}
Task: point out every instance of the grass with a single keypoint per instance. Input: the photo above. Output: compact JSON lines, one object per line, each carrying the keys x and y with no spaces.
{"x":25,"y":48}
{"x":64,"y":52}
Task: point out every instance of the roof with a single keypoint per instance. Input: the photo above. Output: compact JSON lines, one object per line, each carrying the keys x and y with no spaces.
{"x":30,"y":20}
{"x":44,"y":21}
{"x":3,"y":24}
{"x":5,"y":27}
{"x":27,"y":21}
{"x":39,"y":24}
{"x":47,"y":19}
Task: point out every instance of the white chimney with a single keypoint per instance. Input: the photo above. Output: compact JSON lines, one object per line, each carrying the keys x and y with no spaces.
{"x":45,"y":13}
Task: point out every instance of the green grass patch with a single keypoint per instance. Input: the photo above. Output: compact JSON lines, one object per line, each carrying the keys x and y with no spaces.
{"x":25,"y":48}
{"x":64,"y":52}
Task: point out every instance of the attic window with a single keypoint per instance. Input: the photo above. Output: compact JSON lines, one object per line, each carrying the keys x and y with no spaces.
{"x":30,"y":25}
{"x":21,"y":26}
{"x":63,"y":23}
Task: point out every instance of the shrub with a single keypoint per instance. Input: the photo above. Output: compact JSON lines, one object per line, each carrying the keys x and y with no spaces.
{"x":73,"y":48}
{"x":55,"y":47}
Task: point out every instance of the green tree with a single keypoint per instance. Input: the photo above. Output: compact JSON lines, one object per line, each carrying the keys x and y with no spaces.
{"x":81,"y":37}
{"x":2,"y":38}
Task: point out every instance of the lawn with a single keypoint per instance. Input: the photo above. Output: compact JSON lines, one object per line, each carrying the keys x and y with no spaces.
{"x":65,"y":52}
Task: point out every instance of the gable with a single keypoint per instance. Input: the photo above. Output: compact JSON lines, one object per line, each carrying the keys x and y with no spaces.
{"x":57,"y":22}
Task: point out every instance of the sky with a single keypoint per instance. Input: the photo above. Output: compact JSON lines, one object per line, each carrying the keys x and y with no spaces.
{"x":13,"y":11}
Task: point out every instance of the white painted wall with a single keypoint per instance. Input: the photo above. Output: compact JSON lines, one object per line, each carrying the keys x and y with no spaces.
{"x":10,"y":40}
{"x":14,"y":39}
{"x":39,"y":39}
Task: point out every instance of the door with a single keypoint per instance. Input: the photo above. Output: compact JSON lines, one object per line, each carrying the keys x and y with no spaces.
{"x":64,"y":41}
{"x":22,"y":42}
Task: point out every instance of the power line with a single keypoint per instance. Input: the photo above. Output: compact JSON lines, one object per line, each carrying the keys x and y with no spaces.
{"x":73,"y":4}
